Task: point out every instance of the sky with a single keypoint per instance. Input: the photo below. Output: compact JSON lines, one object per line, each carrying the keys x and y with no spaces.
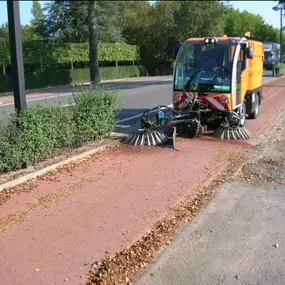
{"x":263,"y":8}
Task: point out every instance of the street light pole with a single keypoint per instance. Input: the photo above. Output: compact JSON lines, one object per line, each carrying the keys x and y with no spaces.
{"x":281,"y":34}
{"x":16,"y":49}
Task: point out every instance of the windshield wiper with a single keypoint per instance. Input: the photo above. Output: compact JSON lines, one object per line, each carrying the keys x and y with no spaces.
{"x":216,"y":73}
{"x":189,"y":81}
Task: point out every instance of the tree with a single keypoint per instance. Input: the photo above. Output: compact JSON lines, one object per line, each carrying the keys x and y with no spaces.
{"x":136,"y":18}
{"x":28,"y":33}
{"x":161,"y":36}
{"x":200,"y":18}
{"x":4,"y":32}
{"x":152,"y":28}
{"x":93,"y":42}
{"x":67,"y":21}
{"x":37,"y":21}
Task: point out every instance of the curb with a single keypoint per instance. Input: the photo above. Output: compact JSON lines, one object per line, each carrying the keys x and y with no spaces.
{"x":117,"y":137}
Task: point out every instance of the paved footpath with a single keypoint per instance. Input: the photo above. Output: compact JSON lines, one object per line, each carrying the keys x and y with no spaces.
{"x":56,"y":226}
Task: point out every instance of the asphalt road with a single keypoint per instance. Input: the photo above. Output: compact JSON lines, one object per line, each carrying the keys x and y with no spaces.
{"x":134,"y":99}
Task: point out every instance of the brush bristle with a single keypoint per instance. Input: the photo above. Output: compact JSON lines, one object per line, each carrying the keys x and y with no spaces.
{"x":240,"y":133}
{"x":146,"y":138}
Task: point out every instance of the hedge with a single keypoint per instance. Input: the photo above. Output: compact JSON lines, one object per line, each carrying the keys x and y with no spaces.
{"x":54,"y":53}
{"x":37,"y":132}
{"x":65,"y":77}
{"x":279,"y":69}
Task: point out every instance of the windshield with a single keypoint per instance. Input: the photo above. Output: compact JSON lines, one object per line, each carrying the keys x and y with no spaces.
{"x":199,"y":66}
{"x":267,"y":54}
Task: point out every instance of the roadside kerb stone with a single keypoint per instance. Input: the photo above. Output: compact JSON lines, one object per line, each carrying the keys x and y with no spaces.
{"x":115,"y":136}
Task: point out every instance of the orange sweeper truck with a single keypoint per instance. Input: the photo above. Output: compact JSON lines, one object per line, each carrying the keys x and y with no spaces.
{"x":217,"y":85}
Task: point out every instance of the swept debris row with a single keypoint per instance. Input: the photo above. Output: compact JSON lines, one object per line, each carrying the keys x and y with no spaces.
{"x":120,"y":268}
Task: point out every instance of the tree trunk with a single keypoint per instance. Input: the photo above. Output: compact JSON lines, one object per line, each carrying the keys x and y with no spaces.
{"x":41,"y":63}
{"x":93,"y":43}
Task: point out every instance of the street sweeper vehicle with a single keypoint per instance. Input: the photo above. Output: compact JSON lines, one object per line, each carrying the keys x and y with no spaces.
{"x":217,"y":84}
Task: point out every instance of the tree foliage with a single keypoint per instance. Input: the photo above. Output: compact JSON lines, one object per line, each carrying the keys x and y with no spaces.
{"x":37,"y":21}
{"x":205,"y":19}
{"x":59,"y":53}
{"x":157,"y":28}
{"x":67,"y":21}
{"x":28,"y":33}
{"x":154,"y":29}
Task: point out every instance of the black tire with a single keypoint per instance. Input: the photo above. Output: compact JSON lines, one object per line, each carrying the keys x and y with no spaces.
{"x":254,"y":114}
{"x":243,"y":111}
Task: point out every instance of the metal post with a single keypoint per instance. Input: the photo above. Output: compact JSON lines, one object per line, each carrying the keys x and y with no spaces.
{"x":281,"y":34}
{"x":16,"y":49}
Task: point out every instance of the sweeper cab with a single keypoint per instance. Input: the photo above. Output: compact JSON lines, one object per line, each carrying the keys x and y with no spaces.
{"x":217,"y":85}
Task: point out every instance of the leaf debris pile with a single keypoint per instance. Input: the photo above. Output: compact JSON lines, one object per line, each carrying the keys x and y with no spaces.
{"x":120,"y":268}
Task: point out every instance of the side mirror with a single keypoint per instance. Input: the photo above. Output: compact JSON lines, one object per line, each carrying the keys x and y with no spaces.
{"x":249,"y":53}
{"x":176,"y":50}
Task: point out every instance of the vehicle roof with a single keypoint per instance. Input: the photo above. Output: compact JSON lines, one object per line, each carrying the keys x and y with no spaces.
{"x":219,"y":38}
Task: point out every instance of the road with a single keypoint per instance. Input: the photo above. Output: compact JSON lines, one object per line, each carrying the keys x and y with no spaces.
{"x":239,"y":237}
{"x":134,"y":97}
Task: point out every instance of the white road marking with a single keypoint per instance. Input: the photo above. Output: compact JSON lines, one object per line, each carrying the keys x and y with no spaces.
{"x":42,"y":98}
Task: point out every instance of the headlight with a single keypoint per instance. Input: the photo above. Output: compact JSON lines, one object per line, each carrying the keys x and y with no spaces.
{"x":210,"y":41}
{"x":225,"y":99}
{"x":177,"y":97}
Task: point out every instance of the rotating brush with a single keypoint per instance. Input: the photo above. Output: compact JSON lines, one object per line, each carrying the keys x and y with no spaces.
{"x":146,"y":137}
{"x":166,"y":129}
{"x":232,"y":133}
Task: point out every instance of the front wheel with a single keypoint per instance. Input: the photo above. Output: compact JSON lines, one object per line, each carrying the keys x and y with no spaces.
{"x":255,"y":113}
{"x":242,"y":114}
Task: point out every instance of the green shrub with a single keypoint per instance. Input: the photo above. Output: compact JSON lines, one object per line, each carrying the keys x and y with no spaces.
{"x":36,"y":133}
{"x":11,"y":149}
{"x":279,"y":69}
{"x":94,"y":113}
{"x":58,"y":53}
